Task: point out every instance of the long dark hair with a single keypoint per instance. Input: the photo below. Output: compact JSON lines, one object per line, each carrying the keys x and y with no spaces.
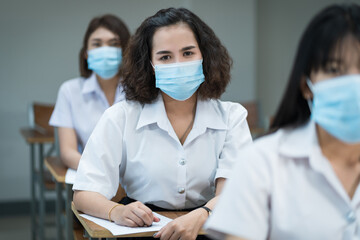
{"x":113,"y":24}
{"x":138,"y":78}
{"x":318,"y":43}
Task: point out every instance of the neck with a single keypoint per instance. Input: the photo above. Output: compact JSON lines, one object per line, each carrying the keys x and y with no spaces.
{"x":108,"y":84}
{"x":337,"y":151}
{"x":179,"y":108}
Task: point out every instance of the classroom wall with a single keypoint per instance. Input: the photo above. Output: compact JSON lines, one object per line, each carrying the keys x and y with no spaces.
{"x":39,"y":45}
{"x":280,"y":24}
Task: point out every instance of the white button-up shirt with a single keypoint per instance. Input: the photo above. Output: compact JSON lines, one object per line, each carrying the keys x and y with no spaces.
{"x":79,"y":105}
{"x":283,"y":187}
{"x":136,"y":145}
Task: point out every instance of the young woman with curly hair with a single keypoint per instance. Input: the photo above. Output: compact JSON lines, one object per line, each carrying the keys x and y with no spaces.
{"x":172,"y":143}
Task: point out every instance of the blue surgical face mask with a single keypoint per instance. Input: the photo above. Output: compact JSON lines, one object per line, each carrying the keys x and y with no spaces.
{"x":179,"y":80}
{"x":336,"y":107}
{"x":104,"y":61}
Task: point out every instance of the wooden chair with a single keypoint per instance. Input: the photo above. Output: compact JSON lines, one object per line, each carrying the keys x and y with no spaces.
{"x":39,"y":135}
{"x":253,"y":118}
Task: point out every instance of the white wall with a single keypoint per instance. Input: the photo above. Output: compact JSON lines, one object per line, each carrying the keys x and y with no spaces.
{"x":39,"y":45}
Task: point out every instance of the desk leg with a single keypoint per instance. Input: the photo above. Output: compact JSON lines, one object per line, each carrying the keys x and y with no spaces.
{"x":68,"y":213}
{"x":58,"y":187}
{"x":33,"y":200}
{"x":42,"y":196}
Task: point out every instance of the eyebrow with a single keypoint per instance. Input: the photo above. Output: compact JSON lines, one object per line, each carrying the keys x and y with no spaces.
{"x":182,"y":50}
{"x":98,"y":39}
{"x":187,"y":48}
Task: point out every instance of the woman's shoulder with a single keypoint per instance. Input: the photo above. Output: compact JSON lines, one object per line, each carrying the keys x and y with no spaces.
{"x":228,"y":105}
{"x":124,"y":107}
{"x":270,"y":145}
{"x":74,"y":84}
{"x":230,"y":112}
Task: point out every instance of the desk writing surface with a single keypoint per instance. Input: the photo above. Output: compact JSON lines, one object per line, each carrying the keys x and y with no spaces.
{"x":97,"y":231}
{"x":57,"y":168}
{"x":32,"y":135}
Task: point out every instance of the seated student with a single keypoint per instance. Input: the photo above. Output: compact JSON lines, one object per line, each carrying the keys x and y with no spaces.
{"x":172,"y":143}
{"x":302,"y":181}
{"x":82,"y":101}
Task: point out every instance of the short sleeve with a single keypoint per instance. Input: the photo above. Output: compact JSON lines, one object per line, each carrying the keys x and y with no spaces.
{"x":238,"y":135}
{"x":98,"y":169}
{"x":243,"y":207}
{"x":61,"y":116}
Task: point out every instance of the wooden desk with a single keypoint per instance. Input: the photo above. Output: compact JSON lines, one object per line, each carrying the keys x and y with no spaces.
{"x":37,"y":137}
{"x":58,"y":171}
{"x":95,"y":231}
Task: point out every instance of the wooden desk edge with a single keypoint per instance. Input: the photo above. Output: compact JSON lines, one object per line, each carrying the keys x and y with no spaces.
{"x":105,"y":233}
{"x":56,"y":168}
{"x":32,"y":135}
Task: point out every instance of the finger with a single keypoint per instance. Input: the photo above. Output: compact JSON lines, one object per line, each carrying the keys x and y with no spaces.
{"x":175,"y":236}
{"x":128,"y":222}
{"x":143,"y":216}
{"x":168,"y":235}
{"x":159,"y":233}
{"x":136,"y":219}
{"x":165,"y":233}
{"x":148,"y":211}
{"x":156,"y":219}
{"x":145,"y":208}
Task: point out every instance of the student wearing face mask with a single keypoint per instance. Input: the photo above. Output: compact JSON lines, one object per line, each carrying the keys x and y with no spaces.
{"x":302,"y":180}
{"x":82,"y":101}
{"x":172,"y":143}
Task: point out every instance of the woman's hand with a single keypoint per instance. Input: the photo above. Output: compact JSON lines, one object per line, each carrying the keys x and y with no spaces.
{"x":135,"y":214}
{"x":185,"y":227}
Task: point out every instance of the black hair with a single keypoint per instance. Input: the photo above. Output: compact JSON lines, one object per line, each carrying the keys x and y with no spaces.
{"x":316,"y":48}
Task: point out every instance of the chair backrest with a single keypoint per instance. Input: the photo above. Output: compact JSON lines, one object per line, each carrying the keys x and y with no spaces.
{"x":39,"y":116}
{"x":253,"y":115}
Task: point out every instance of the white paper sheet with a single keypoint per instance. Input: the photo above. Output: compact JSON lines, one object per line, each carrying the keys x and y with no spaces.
{"x":70,"y":176}
{"x":122,"y":230}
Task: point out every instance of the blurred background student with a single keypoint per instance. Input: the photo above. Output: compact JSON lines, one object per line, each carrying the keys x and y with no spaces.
{"x":81,"y":101}
{"x":302,"y":181}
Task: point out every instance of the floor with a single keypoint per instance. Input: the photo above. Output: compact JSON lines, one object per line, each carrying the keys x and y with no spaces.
{"x":19,"y":227}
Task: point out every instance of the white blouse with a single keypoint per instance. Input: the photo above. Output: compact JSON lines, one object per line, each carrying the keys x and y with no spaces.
{"x":283,"y":187}
{"x":136,"y":145}
{"x":79,"y":105}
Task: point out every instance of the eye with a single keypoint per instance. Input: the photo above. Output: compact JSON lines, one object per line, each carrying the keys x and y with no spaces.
{"x":334,"y":70}
{"x":115,"y":43}
{"x":165,"y":58}
{"x":96,"y":44}
{"x":187,"y":53}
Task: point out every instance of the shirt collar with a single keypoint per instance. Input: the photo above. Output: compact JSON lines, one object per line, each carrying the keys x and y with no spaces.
{"x":207,"y":115}
{"x":299,"y":142}
{"x":153,"y":113}
{"x":90,"y":85}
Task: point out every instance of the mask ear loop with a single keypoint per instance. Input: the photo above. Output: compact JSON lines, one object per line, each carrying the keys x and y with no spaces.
{"x":311,"y":87}
{"x":153,"y":70}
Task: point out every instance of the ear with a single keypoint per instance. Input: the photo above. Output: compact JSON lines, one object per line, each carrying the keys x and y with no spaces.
{"x":305,"y":90}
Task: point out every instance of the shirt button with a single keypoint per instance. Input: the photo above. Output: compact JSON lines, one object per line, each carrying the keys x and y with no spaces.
{"x":182,"y":162}
{"x":181,"y":190}
{"x":351,"y":217}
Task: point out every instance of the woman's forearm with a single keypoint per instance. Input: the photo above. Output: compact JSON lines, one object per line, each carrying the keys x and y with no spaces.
{"x":93,"y":203}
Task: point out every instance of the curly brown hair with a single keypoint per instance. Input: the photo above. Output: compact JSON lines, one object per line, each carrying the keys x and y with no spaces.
{"x":113,"y":24}
{"x":138,"y":79}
